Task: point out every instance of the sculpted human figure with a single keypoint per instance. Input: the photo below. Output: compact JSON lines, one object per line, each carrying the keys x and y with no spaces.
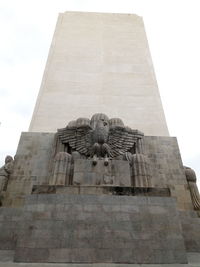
{"x":191,"y":179}
{"x":62,"y":169}
{"x":140,"y":170}
{"x":5,"y":172}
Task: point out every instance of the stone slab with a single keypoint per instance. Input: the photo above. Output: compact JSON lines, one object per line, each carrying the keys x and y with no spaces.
{"x":117,"y":173}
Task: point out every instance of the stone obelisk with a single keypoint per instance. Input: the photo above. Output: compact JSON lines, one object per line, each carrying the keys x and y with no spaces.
{"x":95,"y":191}
{"x":99,"y":63}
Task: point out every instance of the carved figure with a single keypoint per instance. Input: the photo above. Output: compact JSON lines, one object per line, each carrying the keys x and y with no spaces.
{"x":140,"y":170}
{"x":99,"y":137}
{"x":62,"y":169}
{"x":5,"y":172}
{"x":191,"y":179}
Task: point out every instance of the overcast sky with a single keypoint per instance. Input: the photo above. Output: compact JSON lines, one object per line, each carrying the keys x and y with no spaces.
{"x":173,"y":32}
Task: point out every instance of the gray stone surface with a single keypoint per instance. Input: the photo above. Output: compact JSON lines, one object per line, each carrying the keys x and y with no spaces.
{"x":167,"y":168}
{"x":6,"y":255}
{"x":117,"y":172}
{"x":37,"y":150}
{"x":31,"y":166}
{"x":101,"y":190}
{"x":9,"y":224}
{"x":191,"y":231}
{"x":89,"y":228}
{"x":41,"y":211}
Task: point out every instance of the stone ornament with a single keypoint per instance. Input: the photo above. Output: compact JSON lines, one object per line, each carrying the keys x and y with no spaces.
{"x":62,"y":169}
{"x":99,"y":137}
{"x":5,"y":172}
{"x":140,"y":171}
{"x":191,"y":179}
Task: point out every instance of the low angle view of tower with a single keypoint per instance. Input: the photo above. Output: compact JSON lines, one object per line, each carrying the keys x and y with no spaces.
{"x":97,"y":180}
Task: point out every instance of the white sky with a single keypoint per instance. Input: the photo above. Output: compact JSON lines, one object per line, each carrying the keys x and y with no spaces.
{"x":172,"y":26}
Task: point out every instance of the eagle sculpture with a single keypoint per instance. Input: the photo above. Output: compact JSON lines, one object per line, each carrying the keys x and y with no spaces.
{"x":99,"y":137}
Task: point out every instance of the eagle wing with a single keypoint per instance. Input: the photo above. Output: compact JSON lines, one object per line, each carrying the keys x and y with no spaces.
{"x":122,"y":139}
{"x":78,"y":138}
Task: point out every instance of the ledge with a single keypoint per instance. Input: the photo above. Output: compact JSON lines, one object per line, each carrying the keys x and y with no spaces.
{"x":99,"y":190}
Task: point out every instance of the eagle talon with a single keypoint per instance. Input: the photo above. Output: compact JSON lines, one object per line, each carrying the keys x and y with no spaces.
{"x":106,"y":161}
{"x":94,"y":161}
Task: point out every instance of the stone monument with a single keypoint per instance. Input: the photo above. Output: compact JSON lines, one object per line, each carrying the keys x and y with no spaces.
{"x":98,"y":179}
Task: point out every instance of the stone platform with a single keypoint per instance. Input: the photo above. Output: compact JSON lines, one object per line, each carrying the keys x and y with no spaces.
{"x":65,"y":228}
{"x":193,"y":258}
{"x":109,"y":225}
{"x":102,"y":190}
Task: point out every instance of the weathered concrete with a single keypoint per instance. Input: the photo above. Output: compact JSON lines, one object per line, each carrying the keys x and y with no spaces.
{"x":99,"y":63}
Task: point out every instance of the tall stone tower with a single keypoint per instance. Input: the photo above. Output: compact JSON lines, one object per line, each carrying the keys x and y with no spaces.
{"x":97,"y":180}
{"x":99,"y":63}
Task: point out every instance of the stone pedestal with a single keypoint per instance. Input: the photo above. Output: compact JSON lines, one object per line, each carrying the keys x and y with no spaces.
{"x":100,"y":229}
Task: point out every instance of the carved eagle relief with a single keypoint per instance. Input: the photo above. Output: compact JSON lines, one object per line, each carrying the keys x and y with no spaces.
{"x":100,"y":136}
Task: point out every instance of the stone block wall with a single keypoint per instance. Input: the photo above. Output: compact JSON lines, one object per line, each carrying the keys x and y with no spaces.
{"x":191,"y":230}
{"x":31,"y":166}
{"x":10,"y":220}
{"x":34,"y":160}
{"x":55,"y":221}
{"x":89,"y":228}
{"x":167,"y":168}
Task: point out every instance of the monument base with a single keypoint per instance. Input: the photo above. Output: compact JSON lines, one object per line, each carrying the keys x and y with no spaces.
{"x":108,"y":222}
{"x":64,"y":228}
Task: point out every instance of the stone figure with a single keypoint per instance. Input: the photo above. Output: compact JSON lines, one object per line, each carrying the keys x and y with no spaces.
{"x":99,"y":137}
{"x":5,"y":172}
{"x":191,"y":179}
{"x":140,"y":170}
{"x":106,"y":139}
{"x":62,"y":172}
